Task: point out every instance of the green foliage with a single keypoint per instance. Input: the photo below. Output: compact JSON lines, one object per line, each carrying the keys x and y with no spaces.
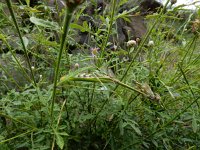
{"x":144,"y":97}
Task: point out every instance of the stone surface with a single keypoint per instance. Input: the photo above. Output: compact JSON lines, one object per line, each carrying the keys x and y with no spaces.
{"x":10,"y":75}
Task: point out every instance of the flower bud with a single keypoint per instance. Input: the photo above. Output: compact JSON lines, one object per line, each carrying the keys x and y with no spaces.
{"x":94,"y":51}
{"x":151,"y":43}
{"x":72,"y":4}
{"x":196,"y":25}
{"x":131,"y":43}
{"x":76,"y":66}
{"x":138,"y":40}
{"x":173,"y":2}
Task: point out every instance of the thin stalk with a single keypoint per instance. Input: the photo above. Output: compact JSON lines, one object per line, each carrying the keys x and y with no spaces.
{"x":187,"y":82}
{"x":9,"y":4}
{"x":90,"y":99}
{"x":166,"y":124}
{"x":58,"y":122}
{"x":150,"y":51}
{"x":109,"y":29}
{"x":68,"y":16}
{"x":188,"y":49}
{"x":17,"y":136}
{"x":193,"y":49}
{"x":175,"y":78}
{"x":57,"y":11}
{"x":17,"y":120}
{"x":138,"y":50}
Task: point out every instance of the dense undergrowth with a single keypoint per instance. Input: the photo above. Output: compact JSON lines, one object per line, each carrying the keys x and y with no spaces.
{"x":96,"y":99}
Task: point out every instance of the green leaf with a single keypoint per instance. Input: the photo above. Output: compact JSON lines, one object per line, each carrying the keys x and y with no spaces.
{"x":64,"y":134}
{"x":26,"y":41}
{"x":59,"y":141}
{"x":125,"y":13}
{"x":137,"y":130}
{"x":85,"y":25}
{"x":76,"y":26}
{"x":133,"y":126}
{"x":107,"y":22}
{"x":28,"y":2}
{"x":121,"y":127}
{"x":194,"y":124}
{"x":44,"y":23}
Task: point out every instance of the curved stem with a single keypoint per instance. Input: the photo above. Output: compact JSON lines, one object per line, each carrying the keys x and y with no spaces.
{"x":21,"y":39}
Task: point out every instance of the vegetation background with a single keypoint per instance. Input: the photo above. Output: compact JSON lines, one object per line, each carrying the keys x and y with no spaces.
{"x":143,"y":96}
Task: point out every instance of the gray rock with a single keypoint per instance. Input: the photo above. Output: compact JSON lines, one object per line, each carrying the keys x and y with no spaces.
{"x":11,"y":77}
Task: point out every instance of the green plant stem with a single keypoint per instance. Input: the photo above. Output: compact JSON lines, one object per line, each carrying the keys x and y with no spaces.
{"x":175,"y":78}
{"x":166,"y":124}
{"x":109,"y":30}
{"x":20,"y":135}
{"x":90,"y":99}
{"x":68,"y":16}
{"x":17,"y":120}
{"x":58,"y":121}
{"x":102,"y":80}
{"x":138,"y":50}
{"x":9,"y":4}
{"x":187,"y":82}
{"x":188,"y":49}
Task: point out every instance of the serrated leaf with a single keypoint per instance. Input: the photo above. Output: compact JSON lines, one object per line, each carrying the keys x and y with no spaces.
{"x":83,"y":118}
{"x":137,"y":130}
{"x":44,"y":23}
{"x":28,"y":2}
{"x":2,"y":37}
{"x":26,"y":41}
{"x":85,"y":24}
{"x":64,"y":134}
{"x":59,"y":141}
{"x":76,"y":26}
{"x":194,"y":124}
{"x":107,"y":21}
{"x":125,"y":13}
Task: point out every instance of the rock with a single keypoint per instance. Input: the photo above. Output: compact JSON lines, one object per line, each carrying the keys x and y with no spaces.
{"x":10,"y":75}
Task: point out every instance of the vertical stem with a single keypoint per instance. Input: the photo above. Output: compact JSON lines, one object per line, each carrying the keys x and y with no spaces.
{"x":58,"y":121}
{"x":68,"y":16}
{"x":109,"y":29}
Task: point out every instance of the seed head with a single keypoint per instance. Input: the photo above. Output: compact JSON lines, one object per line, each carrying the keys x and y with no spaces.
{"x":196,"y":25}
{"x":76,"y":66}
{"x":94,"y":51}
{"x":131,"y":43}
{"x":151,"y":43}
{"x":173,"y":2}
{"x":72,"y":4}
{"x":138,"y":40}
